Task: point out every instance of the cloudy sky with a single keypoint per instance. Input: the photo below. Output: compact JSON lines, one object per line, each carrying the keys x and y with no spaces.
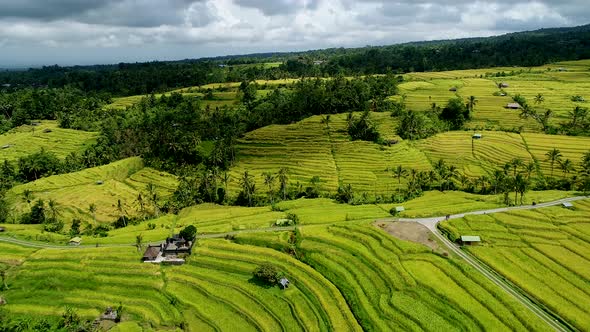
{"x":36,"y":32}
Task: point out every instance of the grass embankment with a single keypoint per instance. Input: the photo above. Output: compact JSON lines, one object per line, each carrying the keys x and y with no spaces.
{"x":28,"y":139}
{"x":545,"y":252}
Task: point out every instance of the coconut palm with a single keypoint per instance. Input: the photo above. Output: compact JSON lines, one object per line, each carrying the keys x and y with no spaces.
{"x":515,"y":164}
{"x":529,"y":169}
{"x":92,"y":210}
{"x":269,"y":180}
{"x":539,"y":99}
{"x":283,"y":176}
{"x":399,"y":172}
{"x":139,"y":241}
{"x":553,"y":156}
{"x":53,"y":209}
{"x":28,"y":196}
{"x":566,"y":166}
{"x":121,"y":209}
{"x":471,"y":102}
{"x":248,"y":187}
{"x":153,"y":197}
{"x":326,"y":121}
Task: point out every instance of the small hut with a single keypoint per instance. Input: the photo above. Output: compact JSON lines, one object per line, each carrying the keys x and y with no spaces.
{"x":2,"y":229}
{"x":284,"y":283}
{"x":109,"y":314}
{"x":567,"y":205}
{"x":453,"y":89}
{"x":503,"y":85}
{"x":469,"y":240}
{"x":513,"y":106}
{"x":476,"y":136}
{"x":75,"y":241}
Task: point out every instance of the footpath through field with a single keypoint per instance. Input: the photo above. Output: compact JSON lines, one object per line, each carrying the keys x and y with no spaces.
{"x":550,"y":318}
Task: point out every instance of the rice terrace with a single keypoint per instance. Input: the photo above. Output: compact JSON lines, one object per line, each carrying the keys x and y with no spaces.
{"x":426,"y":186}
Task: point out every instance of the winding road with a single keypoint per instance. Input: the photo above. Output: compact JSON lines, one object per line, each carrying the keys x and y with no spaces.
{"x":550,"y":318}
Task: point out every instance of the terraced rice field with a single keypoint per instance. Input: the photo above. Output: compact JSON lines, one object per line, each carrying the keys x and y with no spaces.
{"x":308,"y":148}
{"x":74,"y":192}
{"x":28,"y":139}
{"x":571,"y":148}
{"x":475,"y":157}
{"x":90,"y":280}
{"x":545,"y":252}
{"x":218,"y":294}
{"x":397,"y":285}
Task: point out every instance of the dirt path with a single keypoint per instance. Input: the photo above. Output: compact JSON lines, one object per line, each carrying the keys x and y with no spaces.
{"x":410,"y":231}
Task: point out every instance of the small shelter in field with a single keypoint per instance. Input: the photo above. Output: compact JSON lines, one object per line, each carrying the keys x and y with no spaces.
{"x":503,"y":85}
{"x":75,"y":241}
{"x":284,"y":283}
{"x":469,"y":240}
{"x":476,"y":136}
{"x":513,"y":106}
{"x":567,"y":205}
{"x":2,"y":229}
{"x":109,"y":314}
{"x":453,"y":89}
{"x":399,"y":209}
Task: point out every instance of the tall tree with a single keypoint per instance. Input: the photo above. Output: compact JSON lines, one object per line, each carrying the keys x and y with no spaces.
{"x":566,"y":166}
{"x":269,"y":180}
{"x":539,"y":99}
{"x":399,"y":172}
{"x":471,"y":102}
{"x":283,"y":176}
{"x":553,"y":156}
{"x":248,"y":187}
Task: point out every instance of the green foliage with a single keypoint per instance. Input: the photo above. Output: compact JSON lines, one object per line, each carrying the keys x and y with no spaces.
{"x":266,"y":273}
{"x":418,"y":125}
{"x":362,"y":128}
{"x":455,"y":113}
{"x":189,"y":233}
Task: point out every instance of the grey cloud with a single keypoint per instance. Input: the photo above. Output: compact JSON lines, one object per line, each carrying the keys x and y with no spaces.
{"x":278,"y":7}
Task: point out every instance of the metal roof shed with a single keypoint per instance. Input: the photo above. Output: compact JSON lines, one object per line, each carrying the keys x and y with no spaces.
{"x":567,"y":204}
{"x":470,"y":239}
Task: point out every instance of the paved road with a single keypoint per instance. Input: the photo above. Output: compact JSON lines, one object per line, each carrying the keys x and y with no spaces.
{"x":431,"y":224}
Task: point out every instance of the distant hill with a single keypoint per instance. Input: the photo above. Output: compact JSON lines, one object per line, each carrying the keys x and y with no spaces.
{"x":529,"y":48}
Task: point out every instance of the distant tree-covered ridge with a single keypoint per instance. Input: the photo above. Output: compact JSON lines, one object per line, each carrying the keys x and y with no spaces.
{"x":523,"y":49}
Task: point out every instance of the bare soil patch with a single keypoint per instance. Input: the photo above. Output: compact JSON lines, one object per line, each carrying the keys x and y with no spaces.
{"x":410,"y":231}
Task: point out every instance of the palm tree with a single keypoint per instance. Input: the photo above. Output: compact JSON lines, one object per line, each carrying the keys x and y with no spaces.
{"x":28,"y":197}
{"x":539,"y":99}
{"x":269,"y":180}
{"x":54,"y":209}
{"x":399,"y":172}
{"x":464,"y":180}
{"x":520,"y":185}
{"x":432,"y":177}
{"x":283,"y":176}
{"x":248,"y":187}
{"x":529,"y":169}
{"x":471,"y":102}
{"x":121,"y":210}
{"x":92,"y":210}
{"x":566,"y":166}
{"x":139,"y":241}
{"x":578,"y":115}
{"x":225,"y":178}
{"x":326,"y":121}
{"x":516,"y":163}
{"x":3,"y":277}
{"x":153,"y":197}
{"x":553,"y":156}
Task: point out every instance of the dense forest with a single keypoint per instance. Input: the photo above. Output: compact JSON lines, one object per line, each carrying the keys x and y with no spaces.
{"x":522,"y":49}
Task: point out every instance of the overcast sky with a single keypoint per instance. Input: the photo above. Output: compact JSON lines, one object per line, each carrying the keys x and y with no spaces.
{"x":65,"y":32}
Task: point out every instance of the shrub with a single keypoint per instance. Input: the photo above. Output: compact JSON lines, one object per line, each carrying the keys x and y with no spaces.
{"x":189,"y":233}
{"x":266,"y":273}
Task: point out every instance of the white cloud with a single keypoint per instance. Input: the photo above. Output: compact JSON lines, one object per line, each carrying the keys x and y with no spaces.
{"x":175,"y":29}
